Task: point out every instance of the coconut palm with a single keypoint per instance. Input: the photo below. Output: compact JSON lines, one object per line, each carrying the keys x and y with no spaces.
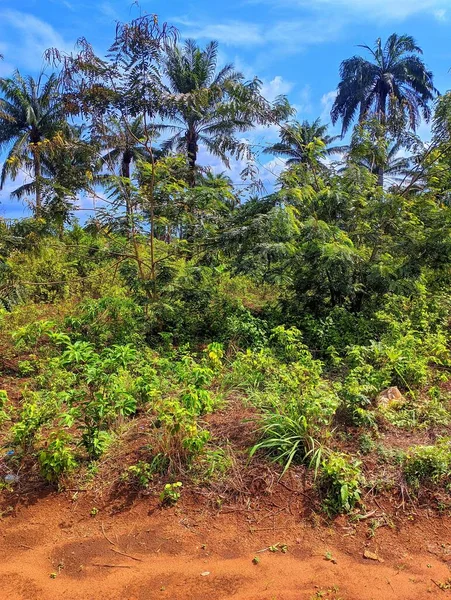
{"x":300,"y":143}
{"x":204,"y":111}
{"x":31,"y":114}
{"x":395,"y":165}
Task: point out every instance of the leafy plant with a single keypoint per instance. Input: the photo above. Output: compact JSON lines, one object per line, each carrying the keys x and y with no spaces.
{"x":339,"y":482}
{"x":57,"y":458}
{"x":171,"y":493}
{"x":286,"y":437}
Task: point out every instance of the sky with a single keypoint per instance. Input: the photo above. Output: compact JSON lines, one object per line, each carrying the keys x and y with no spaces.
{"x":294,"y":46}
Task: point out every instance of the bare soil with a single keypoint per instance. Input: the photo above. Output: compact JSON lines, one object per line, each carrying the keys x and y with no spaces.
{"x":51,"y":547}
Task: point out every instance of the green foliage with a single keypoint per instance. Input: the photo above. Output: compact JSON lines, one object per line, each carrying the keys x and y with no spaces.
{"x":46,"y":270}
{"x":57,"y":458}
{"x":179,"y":298}
{"x":38,"y":409}
{"x":287,"y":439}
{"x":4,"y":407}
{"x":108,"y":320}
{"x":29,"y":336}
{"x":428,"y":464}
{"x":171,"y":493}
{"x":340,"y":482}
{"x":140,"y":474}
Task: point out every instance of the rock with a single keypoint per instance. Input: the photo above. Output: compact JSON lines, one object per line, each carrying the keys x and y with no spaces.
{"x":391,"y":395}
{"x":11,"y":478}
{"x":205,"y":573}
{"x":372,"y":556}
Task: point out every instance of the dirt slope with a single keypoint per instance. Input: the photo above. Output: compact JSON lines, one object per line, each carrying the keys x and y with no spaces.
{"x":54,"y":549}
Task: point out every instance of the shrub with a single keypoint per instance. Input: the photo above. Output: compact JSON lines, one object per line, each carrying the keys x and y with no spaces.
{"x":46,"y":265}
{"x":4,"y":407}
{"x":57,"y":458}
{"x":108,"y":321}
{"x":171,"y":493}
{"x":423,"y":464}
{"x":140,"y":474}
{"x":339,"y":483}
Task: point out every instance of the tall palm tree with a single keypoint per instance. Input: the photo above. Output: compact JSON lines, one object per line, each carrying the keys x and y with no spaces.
{"x":394,"y":83}
{"x":298,"y":139}
{"x":31,"y":114}
{"x":396,"y":79}
{"x":203,"y":109}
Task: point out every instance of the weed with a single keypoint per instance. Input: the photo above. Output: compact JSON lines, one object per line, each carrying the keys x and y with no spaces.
{"x":171,"y":493}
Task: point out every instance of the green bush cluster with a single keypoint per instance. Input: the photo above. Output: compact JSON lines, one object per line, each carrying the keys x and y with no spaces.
{"x":428,"y":464}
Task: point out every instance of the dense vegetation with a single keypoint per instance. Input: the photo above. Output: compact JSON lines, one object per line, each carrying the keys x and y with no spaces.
{"x":187,"y":293}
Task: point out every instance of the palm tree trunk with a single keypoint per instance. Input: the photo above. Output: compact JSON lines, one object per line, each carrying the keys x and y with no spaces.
{"x":383,"y":120}
{"x":191,"y":148}
{"x":37,"y":178}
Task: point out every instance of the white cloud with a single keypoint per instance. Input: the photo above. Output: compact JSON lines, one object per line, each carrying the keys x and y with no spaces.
{"x":440,"y":14}
{"x":271,"y":170}
{"x":292,"y":36}
{"x":380,"y":9}
{"x":276,"y":87}
{"x":305,"y":100}
{"x":327,"y":101}
{"x":236,"y":33}
{"x":25,"y":38}
{"x":297,"y":34}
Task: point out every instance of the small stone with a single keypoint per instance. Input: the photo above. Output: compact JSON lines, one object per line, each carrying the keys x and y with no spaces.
{"x":205,"y":573}
{"x":11,"y":478}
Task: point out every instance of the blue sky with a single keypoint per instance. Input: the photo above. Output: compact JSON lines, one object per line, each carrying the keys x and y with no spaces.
{"x":294,"y":46}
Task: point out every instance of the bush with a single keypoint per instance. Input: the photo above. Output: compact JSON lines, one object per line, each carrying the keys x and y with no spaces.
{"x":340,"y":483}
{"x":428,"y":464}
{"x":108,"y":321}
{"x":57,"y":458}
{"x":47,"y":268}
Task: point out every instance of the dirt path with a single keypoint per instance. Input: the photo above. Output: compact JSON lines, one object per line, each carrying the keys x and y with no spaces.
{"x":54,"y":549}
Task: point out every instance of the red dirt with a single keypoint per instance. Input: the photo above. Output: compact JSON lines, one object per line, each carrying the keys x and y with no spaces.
{"x":169,"y":550}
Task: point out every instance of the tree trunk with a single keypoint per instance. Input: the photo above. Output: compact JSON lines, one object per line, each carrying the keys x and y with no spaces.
{"x":125,"y":172}
{"x":382,"y":119}
{"x":37,"y":177}
{"x":191,"y":148}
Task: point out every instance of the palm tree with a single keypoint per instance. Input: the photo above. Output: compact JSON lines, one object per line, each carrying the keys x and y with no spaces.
{"x":31,"y":114}
{"x":124,"y":144}
{"x":297,"y":140}
{"x":389,"y":158}
{"x":68,"y":166}
{"x":203,"y":109}
{"x":394,"y":84}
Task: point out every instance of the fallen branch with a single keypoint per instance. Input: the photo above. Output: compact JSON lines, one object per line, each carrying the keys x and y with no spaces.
{"x":105,"y":535}
{"x":127,"y":555}
{"x":111,"y":566}
{"x":438,"y":585}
